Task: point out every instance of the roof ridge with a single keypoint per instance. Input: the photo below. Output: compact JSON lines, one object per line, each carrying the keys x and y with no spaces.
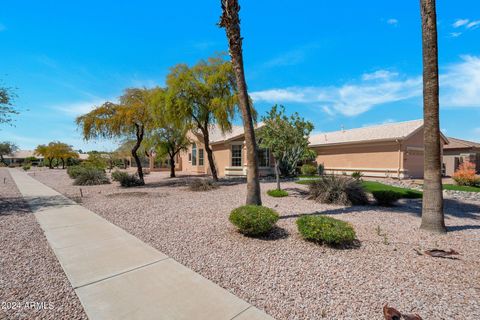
{"x":372,"y":126}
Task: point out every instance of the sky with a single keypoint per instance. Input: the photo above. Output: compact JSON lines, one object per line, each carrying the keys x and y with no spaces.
{"x":337,"y":63}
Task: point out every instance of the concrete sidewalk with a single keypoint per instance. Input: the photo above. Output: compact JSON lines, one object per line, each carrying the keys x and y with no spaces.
{"x":117,"y":276}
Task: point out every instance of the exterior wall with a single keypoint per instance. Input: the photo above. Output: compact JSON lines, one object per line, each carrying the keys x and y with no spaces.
{"x":381,"y":159}
{"x":452,"y":158}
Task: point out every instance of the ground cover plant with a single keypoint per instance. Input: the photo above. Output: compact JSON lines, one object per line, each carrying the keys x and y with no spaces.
{"x":277,"y":193}
{"x":455,"y":187}
{"x":323,"y":229}
{"x":254,"y":220}
{"x":371,"y":186}
{"x":340,"y":190}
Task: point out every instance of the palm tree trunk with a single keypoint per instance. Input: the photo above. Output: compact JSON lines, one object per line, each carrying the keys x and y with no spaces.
{"x":432,"y":207}
{"x":231,"y":22}
{"x":139,"y":134}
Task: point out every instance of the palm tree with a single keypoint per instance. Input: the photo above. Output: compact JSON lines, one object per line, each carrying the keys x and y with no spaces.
{"x":432,"y":208}
{"x":230,"y":20}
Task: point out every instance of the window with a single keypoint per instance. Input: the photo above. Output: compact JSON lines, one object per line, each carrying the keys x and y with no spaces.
{"x":194,"y":154}
{"x":200,"y":157}
{"x":237,"y":155}
{"x":189,"y":157}
{"x":263,"y":157}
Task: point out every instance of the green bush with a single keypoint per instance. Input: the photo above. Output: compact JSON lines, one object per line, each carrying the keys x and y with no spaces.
{"x":277,"y":193}
{"x":91,"y":176}
{"x":309,"y":170}
{"x":26,"y":166}
{"x":202,"y":185}
{"x":320,"y":169}
{"x":386,"y":198}
{"x":253,"y":220}
{"x":74,"y":171}
{"x":357,"y":175}
{"x":327,"y":230}
{"x":126,"y":180}
{"x":339,"y":190}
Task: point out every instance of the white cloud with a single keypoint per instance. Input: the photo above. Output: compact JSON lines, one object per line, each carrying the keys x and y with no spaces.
{"x":460,"y":22}
{"x":75,"y":109}
{"x":459,"y":84}
{"x":473,"y":24}
{"x":392,"y":21}
{"x":379,"y":74}
{"x":455,"y":34}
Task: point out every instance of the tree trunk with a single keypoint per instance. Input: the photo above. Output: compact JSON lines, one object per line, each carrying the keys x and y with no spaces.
{"x":63,"y":163}
{"x":50,"y":163}
{"x":432,"y":207}
{"x":172,"y":166}
{"x":231,"y":22}
{"x":206,"y":142}
{"x":277,"y":173}
{"x":3,"y":160}
{"x":139,"y":134}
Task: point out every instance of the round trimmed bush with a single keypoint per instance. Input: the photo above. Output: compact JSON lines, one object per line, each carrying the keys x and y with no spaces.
{"x":386,"y":198}
{"x":325,"y":229}
{"x":277,"y":193}
{"x":253,"y":220}
{"x":309,"y":170}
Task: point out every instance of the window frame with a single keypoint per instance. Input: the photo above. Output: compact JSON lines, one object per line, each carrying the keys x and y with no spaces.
{"x":201,"y":157}
{"x":267,"y":157}
{"x":236,"y":157}
{"x":194,"y":154}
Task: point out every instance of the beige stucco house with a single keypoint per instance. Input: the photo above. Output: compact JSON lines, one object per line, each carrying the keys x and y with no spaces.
{"x":458,"y":151}
{"x":391,"y":150}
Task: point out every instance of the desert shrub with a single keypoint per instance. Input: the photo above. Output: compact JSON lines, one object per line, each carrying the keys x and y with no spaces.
{"x":129,"y":180}
{"x":277,"y":193}
{"x":118,"y":175}
{"x":253,"y":220}
{"x":74,"y":171}
{"x":91,"y":176}
{"x":465,"y":175}
{"x":325,"y":229}
{"x":386,"y":198}
{"x":340,"y":190}
{"x":309,"y":170}
{"x":357,"y":175}
{"x":320,"y":169}
{"x":202,"y":185}
{"x":26,"y":166}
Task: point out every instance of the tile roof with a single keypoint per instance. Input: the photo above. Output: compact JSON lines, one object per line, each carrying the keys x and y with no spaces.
{"x":461,"y":144}
{"x":389,"y":131}
{"x":217,"y":136}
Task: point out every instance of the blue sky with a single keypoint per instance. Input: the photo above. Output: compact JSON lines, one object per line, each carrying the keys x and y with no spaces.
{"x":350,"y":63}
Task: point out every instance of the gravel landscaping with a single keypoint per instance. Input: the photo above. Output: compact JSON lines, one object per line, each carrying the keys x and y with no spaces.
{"x":284,"y":275}
{"x":32,"y":282}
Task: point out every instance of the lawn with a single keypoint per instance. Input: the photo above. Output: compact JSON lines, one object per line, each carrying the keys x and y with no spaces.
{"x":377,"y":186}
{"x":460,"y":188}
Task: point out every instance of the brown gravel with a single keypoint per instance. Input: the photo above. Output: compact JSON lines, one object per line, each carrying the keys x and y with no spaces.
{"x":30,"y":272}
{"x":293,"y":279}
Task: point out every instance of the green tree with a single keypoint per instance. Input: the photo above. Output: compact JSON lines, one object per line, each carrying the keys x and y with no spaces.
{"x":7,"y":148}
{"x":230,"y":20}
{"x":203,"y":95}
{"x":58,"y":151}
{"x":128,"y":119}
{"x":46,"y":152}
{"x":7,"y":110}
{"x":282,"y":134}
{"x":169,"y":135}
{"x":432,"y":204}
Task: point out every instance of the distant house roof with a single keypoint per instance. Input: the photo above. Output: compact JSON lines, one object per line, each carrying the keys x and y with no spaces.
{"x":22,"y":154}
{"x":216,"y":135}
{"x":461,"y":144}
{"x":384,"y":132}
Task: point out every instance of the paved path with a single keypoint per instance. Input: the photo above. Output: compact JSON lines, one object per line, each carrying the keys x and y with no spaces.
{"x":117,"y":276}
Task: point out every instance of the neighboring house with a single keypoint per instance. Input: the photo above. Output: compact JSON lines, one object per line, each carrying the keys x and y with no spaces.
{"x":458,"y":151}
{"x":229,"y":154}
{"x":19,"y":156}
{"x":391,"y":150}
